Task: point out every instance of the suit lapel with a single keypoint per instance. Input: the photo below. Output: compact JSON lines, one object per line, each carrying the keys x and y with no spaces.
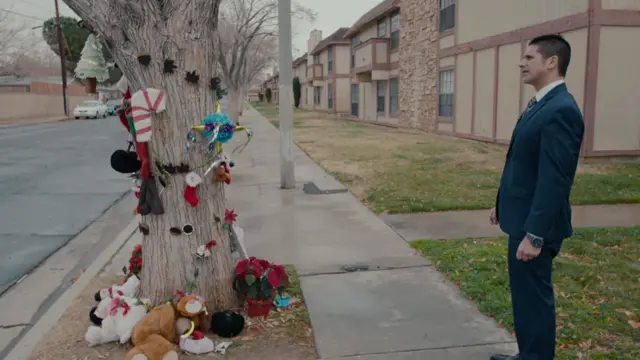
{"x":526,"y":115}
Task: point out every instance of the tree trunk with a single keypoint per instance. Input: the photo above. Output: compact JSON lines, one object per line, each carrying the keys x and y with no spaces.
{"x":182,"y":31}
{"x":234,"y":104}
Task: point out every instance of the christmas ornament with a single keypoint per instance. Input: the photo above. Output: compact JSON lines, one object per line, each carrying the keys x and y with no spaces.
{"x":204,"y":251}
{"x":143,"y":103}
{"x":144,"y":58}
{"x":193,"y":180}
{"x":192,"y":77}
{"x":187,"y":229}
{"x":213,"y":85}
{"x":169,"y":66}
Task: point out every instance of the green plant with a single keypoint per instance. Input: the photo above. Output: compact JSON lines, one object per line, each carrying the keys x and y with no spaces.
{"x":259,"y":279}
{"x":297,"y":91}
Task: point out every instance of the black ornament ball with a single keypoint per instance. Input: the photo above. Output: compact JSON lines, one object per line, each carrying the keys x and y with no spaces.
{"x":125,"y":162}
{"x":97,"y":296}
{"x":227,"y":324}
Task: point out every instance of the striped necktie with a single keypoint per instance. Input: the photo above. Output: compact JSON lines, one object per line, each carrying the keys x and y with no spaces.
{"x":531,"y":103}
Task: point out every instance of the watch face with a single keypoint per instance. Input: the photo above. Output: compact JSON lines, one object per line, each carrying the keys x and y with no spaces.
{"x":537,"y":242}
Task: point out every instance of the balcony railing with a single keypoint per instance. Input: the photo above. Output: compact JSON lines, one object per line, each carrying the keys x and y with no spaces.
{"x":372,"y":54}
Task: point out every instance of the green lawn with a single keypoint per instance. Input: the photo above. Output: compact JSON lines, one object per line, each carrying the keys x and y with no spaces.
{"x":597,"y":282}
{"x":401,"y":171}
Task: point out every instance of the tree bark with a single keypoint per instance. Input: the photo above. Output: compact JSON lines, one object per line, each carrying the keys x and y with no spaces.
{"x":182,"y":31}
{"x":234,"y":108}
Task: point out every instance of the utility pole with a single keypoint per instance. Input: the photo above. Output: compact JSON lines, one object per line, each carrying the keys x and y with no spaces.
{"x":62,"y":63}
{"x":287,"y":176}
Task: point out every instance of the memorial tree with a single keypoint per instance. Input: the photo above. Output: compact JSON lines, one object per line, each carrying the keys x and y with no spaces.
{"x":247,"y":44}
{"x":166,"y":50}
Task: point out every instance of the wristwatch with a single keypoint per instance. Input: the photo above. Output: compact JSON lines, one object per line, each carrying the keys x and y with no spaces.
{"x":537,"y":242}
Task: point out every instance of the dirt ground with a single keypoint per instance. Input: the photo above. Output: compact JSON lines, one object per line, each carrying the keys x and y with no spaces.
{"x":283,"y":335}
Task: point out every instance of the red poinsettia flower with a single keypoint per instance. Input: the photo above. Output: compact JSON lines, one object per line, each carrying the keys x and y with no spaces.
{"x":242,"y":267}
{"x":138,"y":248}
{"x":210,"y":244}
{"x":274,"y":279}
{"x":258,"y":270}
{"x":230,"y":216}
{"x":279,"y":269}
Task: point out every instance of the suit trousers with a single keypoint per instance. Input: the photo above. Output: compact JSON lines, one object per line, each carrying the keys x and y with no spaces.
{"x":533,"y":303}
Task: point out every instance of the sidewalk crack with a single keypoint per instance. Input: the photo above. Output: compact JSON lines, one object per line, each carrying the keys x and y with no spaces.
{"x":14,"y":325}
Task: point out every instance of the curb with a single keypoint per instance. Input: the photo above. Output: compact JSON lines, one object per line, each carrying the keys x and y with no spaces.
{"x":22,"y":350}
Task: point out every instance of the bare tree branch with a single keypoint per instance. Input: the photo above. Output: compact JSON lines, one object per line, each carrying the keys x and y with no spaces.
{"x":247,"y":42}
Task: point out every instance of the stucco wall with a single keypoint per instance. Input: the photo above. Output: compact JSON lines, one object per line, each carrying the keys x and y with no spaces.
{"x":28,"y":105}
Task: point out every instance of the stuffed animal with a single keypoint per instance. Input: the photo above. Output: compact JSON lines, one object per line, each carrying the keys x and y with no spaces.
{"x":119,"y":317}
{"x":191,"y":340}
{"x":193,"y":308}
{"x":154,"y":335}
{"x":129,"y":289}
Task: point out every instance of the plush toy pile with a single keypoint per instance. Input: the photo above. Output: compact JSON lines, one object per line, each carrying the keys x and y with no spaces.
{"x":121,"y":317}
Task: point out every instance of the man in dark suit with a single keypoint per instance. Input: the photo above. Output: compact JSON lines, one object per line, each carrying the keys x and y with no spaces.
{"x":532,"y":204}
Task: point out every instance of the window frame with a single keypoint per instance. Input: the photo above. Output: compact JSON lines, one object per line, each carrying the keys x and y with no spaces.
{"x":396,"y":96}
{"x":330,"y":59}
{"x":394,"y":35}
{"x":381,"y":100}
{"x":330,"y":95}
{"x":446,"y":93}
{"x":355,"y":41}
{"x":447,"y":15}
{"x":382,"y":24}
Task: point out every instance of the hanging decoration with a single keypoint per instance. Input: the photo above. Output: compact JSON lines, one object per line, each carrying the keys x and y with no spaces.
{"x":169,"y":66}
{"x":144,"y":58}
{"x":192,"y":77}
{"x":213,"y":85}
{"x":143,"y":103}
{"x":193,"y":180}
{"x":204,"y":251}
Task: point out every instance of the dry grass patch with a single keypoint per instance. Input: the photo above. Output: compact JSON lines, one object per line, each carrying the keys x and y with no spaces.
{"x":401,"y":171}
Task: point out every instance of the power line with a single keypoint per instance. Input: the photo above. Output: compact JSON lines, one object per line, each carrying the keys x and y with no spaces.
{"x":23,"y":15}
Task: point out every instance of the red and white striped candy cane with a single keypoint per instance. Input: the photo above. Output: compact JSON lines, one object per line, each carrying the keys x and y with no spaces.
{"x":143,"y":103}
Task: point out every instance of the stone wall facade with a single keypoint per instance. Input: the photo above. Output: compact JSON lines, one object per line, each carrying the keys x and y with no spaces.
{"x":419,"y":63}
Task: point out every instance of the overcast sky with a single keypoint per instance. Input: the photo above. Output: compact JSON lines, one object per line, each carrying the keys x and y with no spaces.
{"x":332,"y":14}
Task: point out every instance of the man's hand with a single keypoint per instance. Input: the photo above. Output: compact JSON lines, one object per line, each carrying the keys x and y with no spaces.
{"x":526,"y":250}
{"x":493,"y":217}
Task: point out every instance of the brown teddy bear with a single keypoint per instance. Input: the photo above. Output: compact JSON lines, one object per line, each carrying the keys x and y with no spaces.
{"x":154,"y":336}
{"x":193,"y":308}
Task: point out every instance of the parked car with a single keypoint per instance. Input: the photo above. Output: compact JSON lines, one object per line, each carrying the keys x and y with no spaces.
{"x":90,"y":109}
{"x":113,"y":106}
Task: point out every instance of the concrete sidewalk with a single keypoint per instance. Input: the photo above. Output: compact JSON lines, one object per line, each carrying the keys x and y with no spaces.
{"x":402,"y":308}
{"x":475,"y":223}
{"x":32,"y":121}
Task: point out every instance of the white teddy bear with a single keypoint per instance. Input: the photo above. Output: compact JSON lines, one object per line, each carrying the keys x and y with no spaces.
{"x":128,"y":289}
{"x":119,"y":316}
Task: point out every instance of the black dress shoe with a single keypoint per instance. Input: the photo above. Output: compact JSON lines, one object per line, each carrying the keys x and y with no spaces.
{"x":505,"y":357}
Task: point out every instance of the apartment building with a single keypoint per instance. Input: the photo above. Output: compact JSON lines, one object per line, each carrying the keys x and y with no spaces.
{"x":300,"y":71}
{"x":460,"y":75}
{"x":375,"y":64}
{"x":328,"y":73}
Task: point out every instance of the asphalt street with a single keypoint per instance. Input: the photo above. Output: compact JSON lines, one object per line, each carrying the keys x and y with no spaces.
{"x":55,"y":179}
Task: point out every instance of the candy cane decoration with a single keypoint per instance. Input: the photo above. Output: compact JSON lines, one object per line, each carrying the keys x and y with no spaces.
{"x":143,"y":103}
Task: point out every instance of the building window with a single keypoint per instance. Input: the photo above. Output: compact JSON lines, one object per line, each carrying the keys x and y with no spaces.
{"x":354,"y":42}
{"x":316,"y":95}
{"x":393,"y":96}
{"x":395,"y":31}
{"x":382,"y":95}
{"x":330,"y":59}
{"x":445,"y":93}
{"x":447,"y":14}
{"x":330,"y":96}
{"x":382,"y":28}
{"x":316,"y":59}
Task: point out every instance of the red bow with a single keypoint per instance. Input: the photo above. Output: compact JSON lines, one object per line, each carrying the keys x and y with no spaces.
{"x":115,"y":303}
{"x":118,"y":292}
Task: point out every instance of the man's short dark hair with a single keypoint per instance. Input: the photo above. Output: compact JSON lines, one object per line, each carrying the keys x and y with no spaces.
{"x":554,"y":45}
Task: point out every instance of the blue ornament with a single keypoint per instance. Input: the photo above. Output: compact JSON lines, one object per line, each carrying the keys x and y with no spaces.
{"x":225,"y":130}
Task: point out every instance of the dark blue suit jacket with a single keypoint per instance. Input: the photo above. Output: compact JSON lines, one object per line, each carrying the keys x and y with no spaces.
{"x":540,"y":168}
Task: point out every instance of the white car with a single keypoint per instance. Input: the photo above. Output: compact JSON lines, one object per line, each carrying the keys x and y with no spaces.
{"x":90,"y":109}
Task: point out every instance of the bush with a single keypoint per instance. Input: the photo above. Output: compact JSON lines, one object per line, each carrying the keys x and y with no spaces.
{"x":297,"y":91}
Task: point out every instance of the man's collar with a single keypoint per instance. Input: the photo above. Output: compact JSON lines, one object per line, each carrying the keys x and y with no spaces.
{"x":545,"y":90}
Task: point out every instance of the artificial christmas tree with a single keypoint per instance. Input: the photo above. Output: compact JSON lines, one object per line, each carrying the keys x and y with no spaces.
{"x":92,"y":66}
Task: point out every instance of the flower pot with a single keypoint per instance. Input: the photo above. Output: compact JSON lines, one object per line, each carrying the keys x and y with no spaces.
{"x":259,"y":307}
